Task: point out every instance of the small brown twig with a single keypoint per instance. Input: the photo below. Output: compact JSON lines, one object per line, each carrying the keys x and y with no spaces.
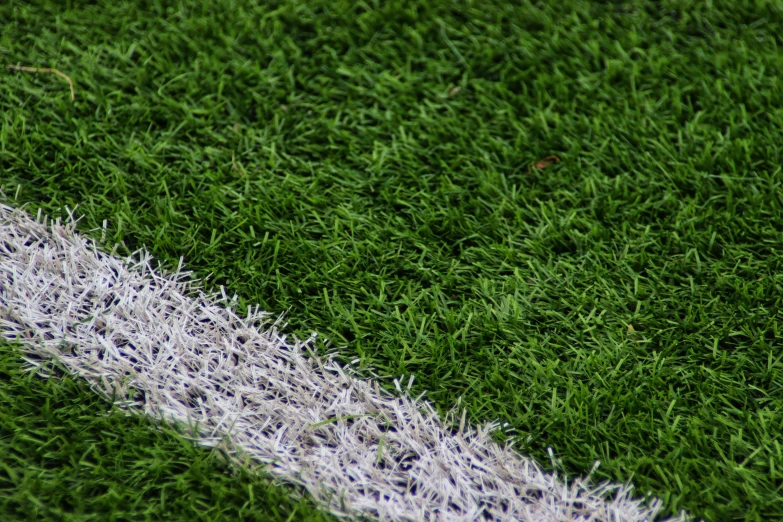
{"x":46,"y":70}
{"x":544,"y":163}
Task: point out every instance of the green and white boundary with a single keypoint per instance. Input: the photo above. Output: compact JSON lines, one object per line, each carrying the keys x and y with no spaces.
{"x":174,"y":353}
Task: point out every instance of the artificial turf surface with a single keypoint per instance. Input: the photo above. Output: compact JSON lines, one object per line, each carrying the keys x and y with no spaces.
{"x":67,"y":456}
{"x":368,"y":169}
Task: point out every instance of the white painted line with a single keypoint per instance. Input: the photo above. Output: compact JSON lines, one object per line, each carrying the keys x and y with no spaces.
{"x":184,"y":356}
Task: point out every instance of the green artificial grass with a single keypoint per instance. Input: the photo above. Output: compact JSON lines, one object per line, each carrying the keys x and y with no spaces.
{"x":66,"y":455}
{"x":368,"y":168}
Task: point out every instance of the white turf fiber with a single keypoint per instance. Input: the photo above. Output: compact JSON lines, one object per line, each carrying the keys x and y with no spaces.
{"x":183,"y":356}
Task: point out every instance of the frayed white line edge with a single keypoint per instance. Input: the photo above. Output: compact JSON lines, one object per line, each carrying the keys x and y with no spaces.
{"x":180,"y":355}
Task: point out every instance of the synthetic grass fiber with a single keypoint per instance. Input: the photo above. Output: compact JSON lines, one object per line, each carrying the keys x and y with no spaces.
{"x":65,"y":457}
{"x":156,"y":344}
{"x":368,"y":169}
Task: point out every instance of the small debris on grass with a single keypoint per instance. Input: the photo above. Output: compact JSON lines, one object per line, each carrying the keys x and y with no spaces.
{"x":543,"y":163}
{"x":454,"y":91}
{"x":46,"y":70}
{"x":546,"y":162}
